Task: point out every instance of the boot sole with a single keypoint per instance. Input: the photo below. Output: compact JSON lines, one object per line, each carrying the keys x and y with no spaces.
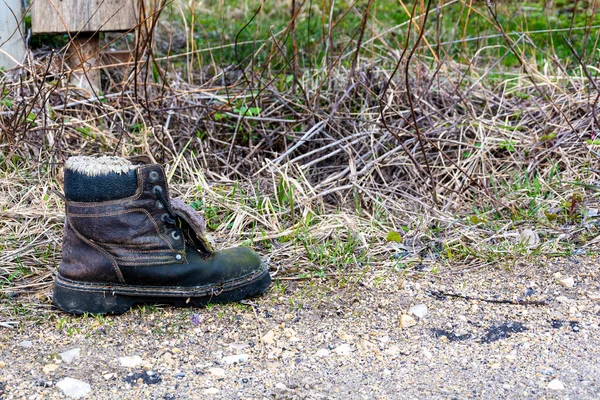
{"x":100,"y":298}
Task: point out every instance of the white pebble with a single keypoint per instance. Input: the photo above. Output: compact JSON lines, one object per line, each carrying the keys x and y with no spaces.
{"x":74,"y":388}
{"x":428,"y":355}
{"x":555,"y":384}
{"x":322,"y":353}
{"x":70,"y":355}
{"x":237,"y":358}
{"x":343,"y":349}
{"x":130,"y":361}
{"x":418,"y":310}
{"x":567,"y":282}
{"x":218,"y":372}
{"x":269,"y":337}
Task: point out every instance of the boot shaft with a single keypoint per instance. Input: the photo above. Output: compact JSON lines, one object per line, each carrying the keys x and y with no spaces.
{"x":89,"y":179}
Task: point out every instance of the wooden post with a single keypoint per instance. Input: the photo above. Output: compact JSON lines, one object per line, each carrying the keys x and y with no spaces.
{"x":83,"y":58}
{"x":60,"y":16}
{"x":12,"y":45}
{"x":83,"y":20}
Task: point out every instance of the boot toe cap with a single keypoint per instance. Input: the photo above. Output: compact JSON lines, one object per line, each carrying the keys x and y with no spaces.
{"x":237,"y":262}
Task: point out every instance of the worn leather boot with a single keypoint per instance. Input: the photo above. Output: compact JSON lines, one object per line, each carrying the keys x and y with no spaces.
{"x":126,"y":242}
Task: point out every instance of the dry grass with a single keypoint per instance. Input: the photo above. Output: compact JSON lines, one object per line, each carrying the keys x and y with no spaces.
{"x":472,"y":164}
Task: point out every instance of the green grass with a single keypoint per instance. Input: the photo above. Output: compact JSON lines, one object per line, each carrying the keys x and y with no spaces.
{"x":251,"y":31}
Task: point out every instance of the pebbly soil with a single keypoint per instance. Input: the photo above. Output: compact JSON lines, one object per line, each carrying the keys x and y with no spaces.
{"x":333,"y":339}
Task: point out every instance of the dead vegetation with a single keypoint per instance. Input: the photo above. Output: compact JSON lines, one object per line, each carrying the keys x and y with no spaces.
{"x":369,"y":155}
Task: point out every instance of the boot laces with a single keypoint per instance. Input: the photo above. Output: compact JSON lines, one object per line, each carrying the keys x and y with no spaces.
{"x":170,"y":217}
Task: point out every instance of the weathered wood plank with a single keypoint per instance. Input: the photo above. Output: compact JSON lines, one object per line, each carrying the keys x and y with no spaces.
{"x":58,"y":16}
{"x":12,"y":45}
{"x":83,"y":57}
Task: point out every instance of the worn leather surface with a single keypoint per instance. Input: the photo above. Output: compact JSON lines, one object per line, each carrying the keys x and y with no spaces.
{"x":221,"y":267}
{"x":111,"y":186}
{"x":84,"y":261}
{"x":127,"y":241}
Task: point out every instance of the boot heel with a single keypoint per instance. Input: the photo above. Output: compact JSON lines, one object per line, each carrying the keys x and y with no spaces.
{"x":78,"y":301}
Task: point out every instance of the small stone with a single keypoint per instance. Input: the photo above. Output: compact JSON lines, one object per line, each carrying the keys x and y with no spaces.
{"x":573,"y":310}
{"x":130,"y":361}
{"x":511,"y":356}
{"x":212,"y":390}
{"x":567,"y":282}
{"x":218,"y":372}
{"x":73,"y":387}
{"x":49,"y":368}
{"x":269,"y":337}
{"x":347,"y":338}
{"x":322,"y":353}
{"x":281,"y":389}
{"x":594,"y":296}
{"x":418,"y":310}
{"x":167,"y":358}
{"x":343,"y":349}
{"x":108,"y":376}
{"x":555,"y":384}
{"x":529,"y":238}
{"x":428,"y":355}
{"x":2,"y":364}
{"x":26,"y":343}
{"x":563,"y":299}
{"x":70,"y":355}
{"x":406,"y":321}
{"x":394,"y":350}
{"x":289,"y":333}
{"x":367,"y":345}
{"x":236,"y":359}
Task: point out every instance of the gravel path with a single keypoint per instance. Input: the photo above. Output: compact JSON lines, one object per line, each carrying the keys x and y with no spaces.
{"x":334,"y":339}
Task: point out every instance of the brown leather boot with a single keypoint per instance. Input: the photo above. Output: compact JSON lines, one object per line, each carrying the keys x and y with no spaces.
{"x":126,"y":242}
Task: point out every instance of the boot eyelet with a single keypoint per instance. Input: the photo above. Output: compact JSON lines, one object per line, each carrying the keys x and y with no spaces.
{"x":159,"y":205}
{"x":175,"y":235}
{"x":157,"y":189}
{"x":153,"y":176}
{"x":164,"y":217}
{"x":178,"y":257}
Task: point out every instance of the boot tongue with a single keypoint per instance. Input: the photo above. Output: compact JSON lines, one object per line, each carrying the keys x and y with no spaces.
{"x":192,"y":226}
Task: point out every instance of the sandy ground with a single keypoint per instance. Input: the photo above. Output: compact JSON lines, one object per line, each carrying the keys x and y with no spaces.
{"x":333,"y":339}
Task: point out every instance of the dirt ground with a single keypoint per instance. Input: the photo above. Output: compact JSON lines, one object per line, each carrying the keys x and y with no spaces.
{"x":315,"y":339}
